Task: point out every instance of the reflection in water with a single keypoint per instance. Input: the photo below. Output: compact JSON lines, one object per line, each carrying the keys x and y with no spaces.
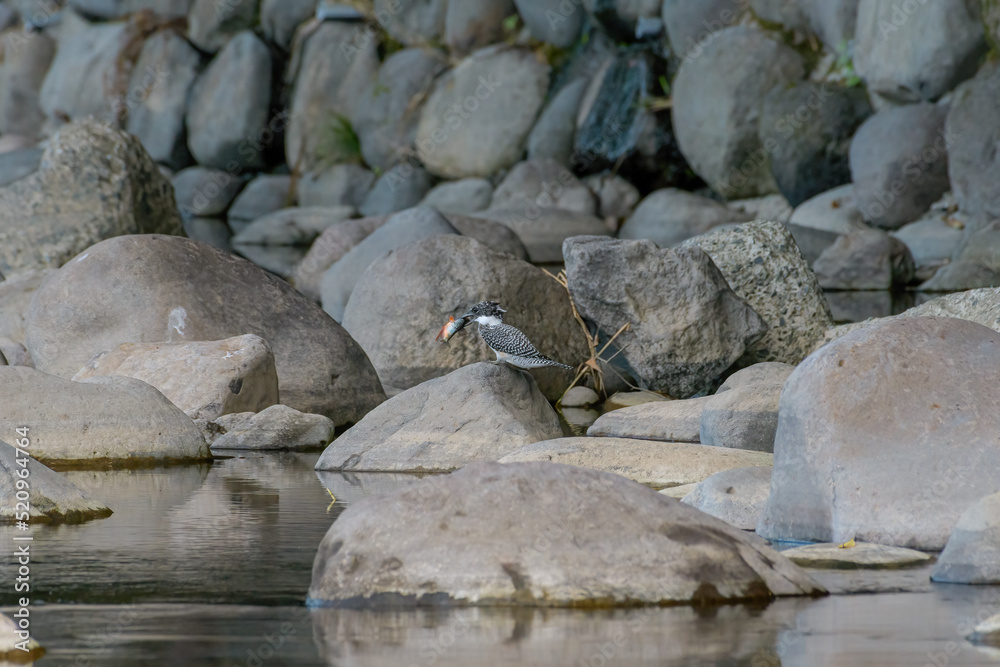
{"x":209,"y":565}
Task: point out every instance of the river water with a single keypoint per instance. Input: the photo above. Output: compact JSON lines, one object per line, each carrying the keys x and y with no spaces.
{"x":209,"y":565}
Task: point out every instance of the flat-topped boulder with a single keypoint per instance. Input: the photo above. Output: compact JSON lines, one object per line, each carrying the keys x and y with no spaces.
{"x":540,"y":534}
{"x":656,"y":464}
{"x":666,"y":421}
{"x":860,"y":555}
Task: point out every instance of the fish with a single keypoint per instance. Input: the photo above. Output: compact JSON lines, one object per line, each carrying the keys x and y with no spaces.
{"x":451,"y":328}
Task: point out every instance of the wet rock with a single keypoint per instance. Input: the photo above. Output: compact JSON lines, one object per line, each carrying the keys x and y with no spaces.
{"x":398,"y":189}
{"x":971,"y":170}
{"x":264,"y":194}
{"x":212,"y":24}
{"x":416,"y":288}
{"x":402,"y":229}
{"x":691,"y":25}
{"x":331,"y":245}
{"x":833,"y":21}
{"x":737,"y":496}
{"x":862,"y":556}
{"x":53,"y":498}
{"x":200,"y":191}
{"x":717,"y":100}
{"x":542,"y":184}
{"x":763,"y":265}
{"x":465,"y":196}
{"x":329,"y":72}
{"x":553,"y":134}
{"x":864,"y":425}
{"x":656,"y":464}
{"x":205,"y":379}
{"x":75,"y":84}
{"x":811,"y":125}
{"x":174,"y":290}
{"x":616,"y":128}
{"x":665,"y":421}
{"x":106,"y":418}
{"x":475,"y":23}
{"x":229,"y":107}
{"x":478,"y":412}
{"x":745,"y":414}
{"x":688,"y":326}
{"x":865,"y":259}
{"x":21,"y":77}
{"x":972,"y":554}
{"x":279,"y":19}
{"x":579,"y":397}
{"x":576,"y":513}
{"x":387,"y":125}
{"x":616,"y":197}
{"x":157,"y":99}
{"x":817,"y":223}
{"x":95,"y":182}
{"x":340,"y":185}
{"x":493,"y":235}
{"x":543,"y":231}
{"x":298,"y":226}
{"x":899,"y":164}
{"x":15,"y":297}
{"x":478,"y":116}
{"x":277,"y":427}
{"x":552,"y":21}
{"x":670,"y":216}
{"x":918,"y":52}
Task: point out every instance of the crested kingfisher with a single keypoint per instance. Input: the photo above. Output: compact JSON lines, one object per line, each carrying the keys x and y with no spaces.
{"x":509,"y":343}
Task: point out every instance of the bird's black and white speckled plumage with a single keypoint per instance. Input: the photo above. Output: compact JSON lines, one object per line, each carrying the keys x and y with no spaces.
{"x":509,"y":343}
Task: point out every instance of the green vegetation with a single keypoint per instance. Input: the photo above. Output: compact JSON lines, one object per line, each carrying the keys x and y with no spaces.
{"x":336,"y":142}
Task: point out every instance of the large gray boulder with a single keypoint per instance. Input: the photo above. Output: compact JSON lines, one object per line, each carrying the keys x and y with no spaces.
{"x":279,"y":19}
{"x":228,"y":114}
{"x":205,"y":379}
{"x":15,"y":297}
{"x":552,"y":136}
{"x":455,"y":539}
{"x":53,"y":498}
{"x":656,"y":464}
{"x":329,"y":247}
{"x":264,"y":194}
{"x":402,"y":229}
{"x":403,"y":299}
{"x":296,"y":226}
{"x":887,"y":434}
{"x":762,"y":263}
{"x":865,"y":259}
{"x":345,"y":184}
{"x":687,"y":325}
{"x":162,"y":288}
{"x":833,"y":21}
{"x":478,"y":116}
{"x":388,"y":125}
{"x":743,"y":414}
{"x":552,"y":21}
{"x":899,"y":163}
{"x":478,"y":413}
{"x":918,"y":51}
{"x":972,"y":554}
{"x":972,"y":168}
{"x":669,"y":216}
{"x":692,"y":25}
{"x":412,"y":23}
{"x":212,"y":24}
{"x":106,"y":419}
{"x":816,"y":224}
{"x":737,"y":496}
{"x":475,"y":23}
{"x":157,"y":101}
{"x":204,"y":192}
{"x":718,"y":98}
{"x":95,"y":182}
{"x":543,"y":184}
{"x":464,"y":197}
{"x":399,"y":188}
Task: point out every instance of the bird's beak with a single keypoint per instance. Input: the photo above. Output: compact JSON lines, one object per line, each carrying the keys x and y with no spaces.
{"x":467,"y":316}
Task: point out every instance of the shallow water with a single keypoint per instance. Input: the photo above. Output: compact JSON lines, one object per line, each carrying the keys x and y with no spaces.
{"x":209,"y":565}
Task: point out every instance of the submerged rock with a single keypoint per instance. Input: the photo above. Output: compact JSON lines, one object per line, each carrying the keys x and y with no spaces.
{"x":479,"y":412}
{"x":53,"y":498}
{"x":540,"y":534}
